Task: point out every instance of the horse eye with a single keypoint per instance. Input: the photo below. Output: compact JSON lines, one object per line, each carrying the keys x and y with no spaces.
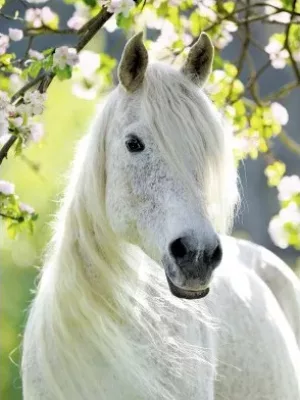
{"x":134,"y":144}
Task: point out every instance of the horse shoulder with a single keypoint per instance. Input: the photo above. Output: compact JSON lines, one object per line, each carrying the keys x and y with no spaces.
{"x":279,"y":278}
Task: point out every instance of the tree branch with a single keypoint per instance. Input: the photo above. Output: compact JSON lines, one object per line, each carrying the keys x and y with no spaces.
{"x":45,"y":79}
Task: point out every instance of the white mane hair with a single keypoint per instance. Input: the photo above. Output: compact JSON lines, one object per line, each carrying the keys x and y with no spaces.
{"x":95,"y":288}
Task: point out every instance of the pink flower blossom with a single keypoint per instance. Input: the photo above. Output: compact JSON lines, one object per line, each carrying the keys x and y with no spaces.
{"x":79,"y":17}
{"x":118,"y":6}
{"x":36,"y":131}
{"x":4,"y":43}
{"x":34,"y":103}
{"x":37,"y":17}
{"x":15,"y":34}
{"x":7,"y":188}
{"x":64,"y":56}
{"x":35,"y":54}
{"x":26,"y":208}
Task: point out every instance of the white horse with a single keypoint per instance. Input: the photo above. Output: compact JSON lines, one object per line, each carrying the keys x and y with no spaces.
{"x":140,"y":232}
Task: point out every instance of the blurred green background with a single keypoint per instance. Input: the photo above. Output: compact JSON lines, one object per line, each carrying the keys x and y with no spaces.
{"x":66,"y":120}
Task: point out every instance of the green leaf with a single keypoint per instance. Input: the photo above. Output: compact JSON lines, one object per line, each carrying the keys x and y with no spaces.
{"x":48,"y":51}
{"x":90,"y":3}
{"x":124,"y":22}
{"x":274,"y":172}
{"x":5,"y":59}
{"x":34,"y":68}
{"x":63,"y":74}
{"x":195,"y":25}
{"x":229,"y":6}
{"x":48,"y":62}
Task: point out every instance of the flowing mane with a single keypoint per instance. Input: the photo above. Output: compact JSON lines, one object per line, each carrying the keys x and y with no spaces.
{"x":151,"y":186}
{"x":89,"y":278}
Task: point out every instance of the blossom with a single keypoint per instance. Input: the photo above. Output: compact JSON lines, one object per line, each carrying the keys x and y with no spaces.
{"x":111,"y":24}
{"x":35,"y":54}
{"x":17,"y":121}
{"x":36,"y":131}
{"x":64,"y":56}
{"x":7,"y":188}
{"x":4,"y":43}
{"x":288,"y":187}
{"x":15,"y":82}
{"x":26,"y":208}
{"x":277,"y":227}
{"x":277,"y":54}
{"x":282,"y":16}
{"x":280,"y":113}
{"x":15,"y":34}
{"x":37,"y":17}
{"x":33,"y":103}
{"x":79,"y":17}
{"x":87,"y":81}
{"x":206,"y":9}
{"x":3,"y":123}
{"x":118,"y":6}
{"x":4,"y":100}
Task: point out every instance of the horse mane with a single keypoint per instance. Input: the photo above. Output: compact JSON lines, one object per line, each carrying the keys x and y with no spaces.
{"x":94,"y":288}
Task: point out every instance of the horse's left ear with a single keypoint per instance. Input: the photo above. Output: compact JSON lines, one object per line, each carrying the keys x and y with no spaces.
{"x":198,"y":65}
{"x":133,"y":63}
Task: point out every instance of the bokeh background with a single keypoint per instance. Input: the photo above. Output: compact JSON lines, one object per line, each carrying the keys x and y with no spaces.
{"x":39,"y":179}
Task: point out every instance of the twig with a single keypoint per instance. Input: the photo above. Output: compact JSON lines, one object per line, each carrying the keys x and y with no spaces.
{"x":289,"y":142}
{"x":19,"y":219}
{"x":45,"y":79}
{"x":287,"y":44}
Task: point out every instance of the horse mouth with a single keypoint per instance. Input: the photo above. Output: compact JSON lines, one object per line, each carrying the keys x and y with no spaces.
{"x":185,"y":293}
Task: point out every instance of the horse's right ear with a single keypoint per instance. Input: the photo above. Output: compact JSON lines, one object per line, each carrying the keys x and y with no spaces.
{"x":133,"y":63}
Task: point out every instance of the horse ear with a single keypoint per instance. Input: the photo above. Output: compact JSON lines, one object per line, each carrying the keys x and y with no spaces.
{"x":133,"y":63}
{"x":198,"y":65}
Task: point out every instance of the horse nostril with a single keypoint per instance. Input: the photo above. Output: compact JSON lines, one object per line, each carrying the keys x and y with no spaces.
{"x":216,"y":256}
{"x":178,"y":249}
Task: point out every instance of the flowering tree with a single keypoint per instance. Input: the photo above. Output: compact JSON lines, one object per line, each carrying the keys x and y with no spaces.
{"x":256,"y":119}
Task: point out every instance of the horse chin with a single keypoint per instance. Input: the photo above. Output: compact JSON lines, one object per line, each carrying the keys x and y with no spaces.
{"x":186,"y":294}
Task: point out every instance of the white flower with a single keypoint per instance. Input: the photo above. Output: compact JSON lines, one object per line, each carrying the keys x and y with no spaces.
{"x":17,"y":122}
{"x":283,"y":17}
{"x":205,"y":9}
{"x":37,"y":17}
{"x":277,"y":231}
{"x":36,"y":131}
{"x":277,"y":54}
{"x":79,"y":89}
{"x":33,"y":103}
{"x":288,"y":187}
{"x":7,"y":188}
{"x":4,"y":100}
{"x":89,"y":62}
{"x":3,"y":123}
{"x":223,"y":40}
{"x":79,"y":17}
{"x":35,"y":54}
{"x":87,"y":81}
{"x":4,"y":43}
{"x":279,"y":113}
{"x":111,"y":24}
{"x":4,"y":138}
{"x":246,"y":144}
{"x":118,"y":6}
{"x":26,"y":208}
{"x":15,"y":34}
{"x":15,"y":82}
{"x":64,"y":56}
